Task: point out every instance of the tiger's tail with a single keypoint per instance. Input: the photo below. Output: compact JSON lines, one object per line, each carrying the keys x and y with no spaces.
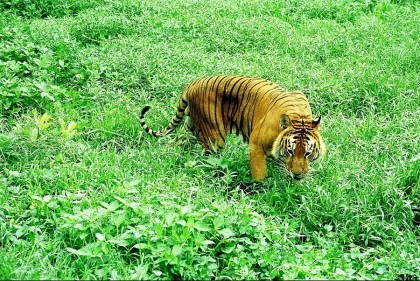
{"x":180,"y":112}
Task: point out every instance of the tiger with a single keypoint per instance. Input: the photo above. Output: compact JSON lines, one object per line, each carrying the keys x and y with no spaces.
{"x":272,"y":121}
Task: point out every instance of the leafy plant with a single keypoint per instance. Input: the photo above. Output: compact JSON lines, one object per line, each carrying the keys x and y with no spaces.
{"x":45,"y":8}
{"x":34,"y":75}
{"x":85,"y":193}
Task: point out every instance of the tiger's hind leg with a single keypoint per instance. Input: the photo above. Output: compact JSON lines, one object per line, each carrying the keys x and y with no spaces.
{"x":186,"y":137}
{"x":211,"y":140}
{"x":189,"y":124}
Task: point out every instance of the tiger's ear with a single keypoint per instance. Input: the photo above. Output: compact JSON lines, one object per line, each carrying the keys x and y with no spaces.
{"x":316,"y":123}
{"x":284,"y":121}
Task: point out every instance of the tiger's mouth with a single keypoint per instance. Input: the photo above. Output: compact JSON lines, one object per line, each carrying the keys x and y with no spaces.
{"x":297,"y":177}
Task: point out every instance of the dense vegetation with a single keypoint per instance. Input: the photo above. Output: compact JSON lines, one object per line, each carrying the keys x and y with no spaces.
{"x":85,"y":194}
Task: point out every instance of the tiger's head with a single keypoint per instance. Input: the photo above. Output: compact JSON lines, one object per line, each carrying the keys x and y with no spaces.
{"x":298,"y":144}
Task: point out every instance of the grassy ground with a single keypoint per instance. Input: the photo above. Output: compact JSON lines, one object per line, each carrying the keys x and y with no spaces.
{"x":84,"y":193}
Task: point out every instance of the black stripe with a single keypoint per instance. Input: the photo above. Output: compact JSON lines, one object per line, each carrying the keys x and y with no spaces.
{"x":144,"y":110}
{"x":229,"y":96}
{"x":258,"y":97}
{"x":204,"y":99}
{"x":217,"y":106}
{"x":227,"y":101}
{"x":265,"y":151}
{"x":238,"y":99}
{"x":251,"y":113}
{"x":245,"y":106}
{"x":203,"y":131}
{"x":279,"y":100}
{"x":184,"y":104}
{"x":238,"y":114}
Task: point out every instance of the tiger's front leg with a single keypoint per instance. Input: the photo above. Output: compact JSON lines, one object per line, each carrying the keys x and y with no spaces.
{"x":257,"y":161}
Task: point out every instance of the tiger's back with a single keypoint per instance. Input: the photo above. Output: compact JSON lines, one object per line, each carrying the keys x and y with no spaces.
{"x":256,"y":109}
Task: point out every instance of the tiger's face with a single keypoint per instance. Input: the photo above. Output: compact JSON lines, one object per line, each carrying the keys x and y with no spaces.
{"x":298,"y":145}
{"x":298,"y":155}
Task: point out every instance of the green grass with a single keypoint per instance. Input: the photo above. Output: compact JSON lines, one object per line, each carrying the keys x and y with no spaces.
{"x":103,"y":200}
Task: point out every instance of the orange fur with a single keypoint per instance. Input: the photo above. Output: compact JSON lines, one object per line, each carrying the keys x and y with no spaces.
{"x":273,"y":121}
